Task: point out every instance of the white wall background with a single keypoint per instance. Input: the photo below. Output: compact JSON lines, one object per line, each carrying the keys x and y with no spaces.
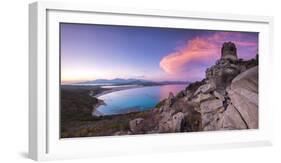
{"x":14,"y":81}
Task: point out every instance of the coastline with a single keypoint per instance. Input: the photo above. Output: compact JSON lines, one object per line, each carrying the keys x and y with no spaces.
{"x":87,"y":121}
{"x":117,"y":89}
{"x":95,"y":112}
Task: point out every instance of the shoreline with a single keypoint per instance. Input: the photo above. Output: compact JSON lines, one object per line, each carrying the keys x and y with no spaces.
{"x":95,"y":112}
{"x":111,"y":90}
{"x":115,"y":89}
{"x":101,"y":102}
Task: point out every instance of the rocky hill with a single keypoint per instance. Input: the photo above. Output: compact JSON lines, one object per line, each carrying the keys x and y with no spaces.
{"x":226,"y":99}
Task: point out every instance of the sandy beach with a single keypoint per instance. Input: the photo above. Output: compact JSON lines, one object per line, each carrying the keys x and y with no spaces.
{"x":115,"y":89}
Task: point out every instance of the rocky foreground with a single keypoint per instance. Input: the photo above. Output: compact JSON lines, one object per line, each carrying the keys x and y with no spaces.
{"x":227,"y":99}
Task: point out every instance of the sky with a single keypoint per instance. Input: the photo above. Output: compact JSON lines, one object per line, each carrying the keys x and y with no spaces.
{"x":90,"y":52}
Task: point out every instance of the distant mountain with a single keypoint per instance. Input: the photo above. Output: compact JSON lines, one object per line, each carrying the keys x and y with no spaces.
{"x":120,"y":81}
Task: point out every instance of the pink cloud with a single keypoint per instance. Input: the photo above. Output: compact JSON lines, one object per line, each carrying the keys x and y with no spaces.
{"x":204,"y":49}
{"x":196,"y":49}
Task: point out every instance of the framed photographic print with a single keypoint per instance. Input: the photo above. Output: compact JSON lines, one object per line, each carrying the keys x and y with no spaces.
{"x":109,"y":81}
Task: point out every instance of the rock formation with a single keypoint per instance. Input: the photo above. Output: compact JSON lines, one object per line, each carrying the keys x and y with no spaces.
{"x":226,"y":99}
{"x":228,"y":51}
{"x":137,"y":125}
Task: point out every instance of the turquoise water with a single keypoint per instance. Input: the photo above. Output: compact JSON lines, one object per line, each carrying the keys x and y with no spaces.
{"x":135,"y":99}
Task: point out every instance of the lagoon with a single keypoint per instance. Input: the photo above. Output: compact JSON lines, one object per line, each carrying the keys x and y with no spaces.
{"x":135,"y":99}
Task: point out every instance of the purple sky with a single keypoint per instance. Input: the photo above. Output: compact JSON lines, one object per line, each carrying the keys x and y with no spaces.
{"x":90,"y":52}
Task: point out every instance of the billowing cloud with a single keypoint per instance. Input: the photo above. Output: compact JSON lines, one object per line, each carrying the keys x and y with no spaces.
{"x":196,"y":49}
{"x":204,"y":50}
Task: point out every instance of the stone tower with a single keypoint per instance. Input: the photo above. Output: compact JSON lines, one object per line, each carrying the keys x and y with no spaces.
{"x":228,"y":51}
{"x":225,"y":69}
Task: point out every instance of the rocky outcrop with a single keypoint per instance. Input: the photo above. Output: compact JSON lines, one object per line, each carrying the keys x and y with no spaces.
{"x":206,"y":88}
{"x":137,"y":126}
{"x":232,"y":119}
{"x":170,"y":99}
{"x":222,"y":73}
{"x":210,"y":105}
{"x":243,"y":95}
{"x":173,"y":124}
{"x":226,"y":99}
{"x":229,"y":97}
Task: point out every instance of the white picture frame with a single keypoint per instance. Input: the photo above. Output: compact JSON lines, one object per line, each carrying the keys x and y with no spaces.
{"x":44,"y":141}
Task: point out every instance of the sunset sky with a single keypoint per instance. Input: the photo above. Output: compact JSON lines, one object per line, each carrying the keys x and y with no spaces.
{"x":90,"y":52}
